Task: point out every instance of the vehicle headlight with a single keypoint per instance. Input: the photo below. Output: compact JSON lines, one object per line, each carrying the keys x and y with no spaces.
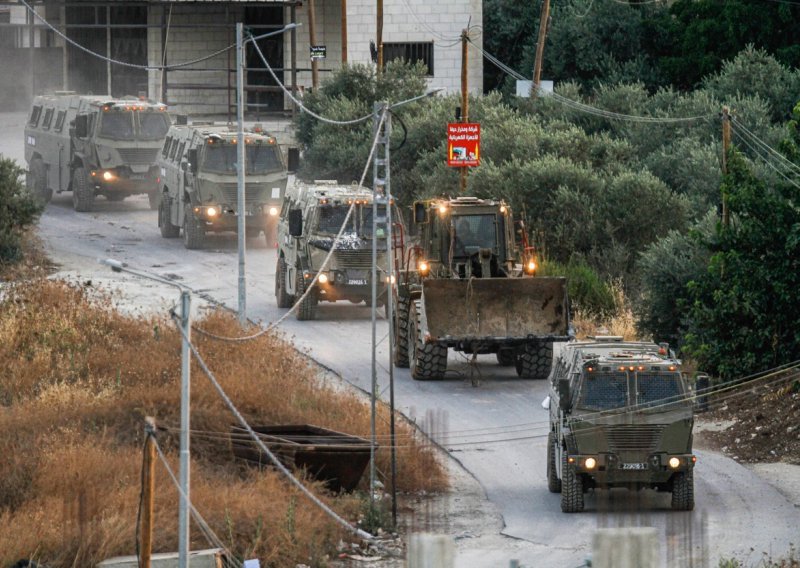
{"x":423,"y":267}
{"x":390,"y":279}
{"x":530,"y":267}
{"x":590,"y":463}
{"x":273,"y":211}
{"x":212,"y":211}
{"x":323,"y":278}
{"x":674,"y":463}
{"x":108,"y":176}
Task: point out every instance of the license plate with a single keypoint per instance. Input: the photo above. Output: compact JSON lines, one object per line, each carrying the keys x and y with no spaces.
{"x":634,"y":466}
{"x":357,"y":281}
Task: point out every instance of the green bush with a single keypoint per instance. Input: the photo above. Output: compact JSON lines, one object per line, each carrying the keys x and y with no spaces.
{"x":587,"y":291}
{"x":18,"y":209}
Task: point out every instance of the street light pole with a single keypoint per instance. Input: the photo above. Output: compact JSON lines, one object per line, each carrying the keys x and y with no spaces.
{"x":184,"y":477}
{"x":240,"y":169}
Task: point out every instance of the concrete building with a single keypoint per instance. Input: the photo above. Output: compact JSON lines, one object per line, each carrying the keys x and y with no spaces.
{"x":159,"y":33}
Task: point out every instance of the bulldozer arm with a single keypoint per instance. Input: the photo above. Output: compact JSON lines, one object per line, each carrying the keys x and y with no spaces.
{"x":495,"y":309}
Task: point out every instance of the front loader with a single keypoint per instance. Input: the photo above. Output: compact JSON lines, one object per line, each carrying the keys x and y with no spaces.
{"x":464,"y":283}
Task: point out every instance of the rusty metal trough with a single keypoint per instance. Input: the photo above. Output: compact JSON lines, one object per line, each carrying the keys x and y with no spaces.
{"x":336,"y":458}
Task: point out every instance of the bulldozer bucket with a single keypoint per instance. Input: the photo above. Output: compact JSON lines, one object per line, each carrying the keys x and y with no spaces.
{"x":495,"y":308}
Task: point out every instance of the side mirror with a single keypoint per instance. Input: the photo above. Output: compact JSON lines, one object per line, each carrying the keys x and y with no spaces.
{"x":191,"y":157}
{"x":296,"y":223}
{"x":420,"y":213}
{"x":82,"y":126}
{"x":564,"y":401}
{"x":293,"y":160}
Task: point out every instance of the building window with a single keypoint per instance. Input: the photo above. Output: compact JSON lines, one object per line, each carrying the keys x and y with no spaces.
{"x":411,"y":52}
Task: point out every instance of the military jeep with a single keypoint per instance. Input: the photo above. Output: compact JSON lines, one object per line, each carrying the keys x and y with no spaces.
{"x":199,"y":183}
{"x":621,"y":415}
{"x":313,"y":215}
{"x":94,"y":145}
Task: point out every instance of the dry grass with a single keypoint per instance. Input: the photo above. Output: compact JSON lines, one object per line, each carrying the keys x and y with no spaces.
{"x":622,"y":323}
{"x":78,"y":379}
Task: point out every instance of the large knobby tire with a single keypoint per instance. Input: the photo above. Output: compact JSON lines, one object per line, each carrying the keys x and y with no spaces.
{"x":401,"y":315}
{"x":282,"y":297}
{"x":168,"y":230}
{"x":36,"y":181}
{"x":571,"y":488}
{"x":427,"y":360}
{"x":307,"y":308}
{"x":553,"y":482}
{"x":534,"y":361}
{"x":194,"y":234}
{"x":82,"y":190}
{"x":683,"y":491}
{"x":506,"y":357}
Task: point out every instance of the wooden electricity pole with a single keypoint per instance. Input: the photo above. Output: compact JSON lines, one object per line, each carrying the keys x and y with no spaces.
{"x":344,"y":32}
{"x":537,"y":66}
{"x":312,"y":38}
{"x":148,"y":490}
{"x":379,"y":39}
{"x":726,"y":144}
{"x":464,"y":97}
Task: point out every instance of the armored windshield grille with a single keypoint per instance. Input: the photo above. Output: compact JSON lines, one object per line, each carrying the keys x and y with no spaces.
{"x":632,"y":437}
{"x":604,"y":391}
{"x":358,"y":258}
{"x":252,"y":194}
{"x":654,"y":389}
{"x":138,"y":156}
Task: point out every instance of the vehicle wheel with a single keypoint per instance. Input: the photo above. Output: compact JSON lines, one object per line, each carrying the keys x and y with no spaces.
{"x":534,"y":361}
{"x":168,"y":230}
{"x":401,"y":311}
{"x":307,"y":310}
{"x":194,"y":234}
{"x":282,"y":297}
{"x":36,"y":180}
{"x":553,"y":482}
{"x":82,"y":191}
{"x":154,"y":199}
{"x":683,"y":491}
{"x":506,"y":357}
{"x":427,"y":360}
{"x":571,"y":488}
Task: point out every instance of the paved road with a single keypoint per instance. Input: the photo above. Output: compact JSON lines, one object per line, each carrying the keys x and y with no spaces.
{"x":490,"y":421}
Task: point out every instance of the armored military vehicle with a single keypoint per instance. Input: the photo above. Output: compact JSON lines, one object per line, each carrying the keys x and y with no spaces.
{"x":313,"y":215}
{"x":199,"y":186}
{"x":463,"y":282}
{"x":620,"y":416}
{"x":94,"y":145}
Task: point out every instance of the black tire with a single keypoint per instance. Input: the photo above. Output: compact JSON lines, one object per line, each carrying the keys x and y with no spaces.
{"x":506,"y":357}
{"x":168,"y":230}
{"x":427,"y":360}
{"x":553,"y":482}
{"x":571,"y":488}
{"x":82,"y":191}
{"x":36,"y":181}
{"x":307,"y":309}
{"x":534,"y":361}
{"x":683,"y":491}
{"x":282,"y":297}
{"x":194,"y":234}
{"x":401,"y":313}
{"x":154,"y":199}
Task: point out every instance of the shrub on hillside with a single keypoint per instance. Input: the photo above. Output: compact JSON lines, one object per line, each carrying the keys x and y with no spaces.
{"x":18,"y":209}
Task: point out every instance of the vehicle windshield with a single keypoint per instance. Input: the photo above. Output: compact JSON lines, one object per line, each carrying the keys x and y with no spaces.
{"x":617,"y":390}
{"x":116,"y":125}
{"x":331,"y":218}
{"x":153,"y":125}
{"x":222,"y":158}
{"x":133,"y":125}
{"x":472,"y":231}
{"x":366,"y":219}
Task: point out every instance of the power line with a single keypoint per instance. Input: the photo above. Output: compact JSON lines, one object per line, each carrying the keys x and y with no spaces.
{"x":775,"y":153}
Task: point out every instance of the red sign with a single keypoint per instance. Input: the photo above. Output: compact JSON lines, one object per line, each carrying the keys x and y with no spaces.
{"x":463,"y":144}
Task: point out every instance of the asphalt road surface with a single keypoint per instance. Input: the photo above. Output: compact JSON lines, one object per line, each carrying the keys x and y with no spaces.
{"x":490,"y":421}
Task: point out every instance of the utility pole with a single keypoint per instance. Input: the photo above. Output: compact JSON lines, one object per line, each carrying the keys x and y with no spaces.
{"x":240,"y":169}
{"x":726,"y":144}
{"x":544,"y":17}
{"x":148,"y":497}
{"x":379,"y":39}
{"x":293,"y":44}
{"x":186,"y":360}
{"x":312,"y":38}
{"x":344,"y":32}
{"x":464,"y":95}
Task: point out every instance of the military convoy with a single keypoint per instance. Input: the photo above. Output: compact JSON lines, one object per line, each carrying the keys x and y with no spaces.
{"x":312,"y":217}
{"x":463,"y":282}
{"x":198,"y":183}
{"x":94,"y":145}
{"x":621,"y":415}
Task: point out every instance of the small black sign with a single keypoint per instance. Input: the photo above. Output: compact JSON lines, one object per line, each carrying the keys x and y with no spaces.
{"x":318,"y":51}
